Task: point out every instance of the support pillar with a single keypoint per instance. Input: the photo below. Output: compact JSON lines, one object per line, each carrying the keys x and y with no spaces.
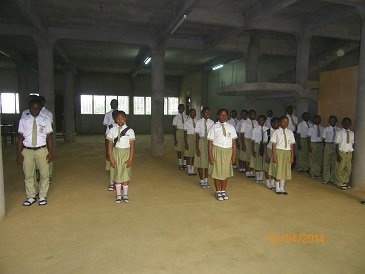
{"x":252,"y":64}
{"x":157,"y":100}
{"x":359,"y":156}
{"x":23,"y":87}
{"x":69,"y":108}
{"x":2,"y":192}
{"x":302,"y":65}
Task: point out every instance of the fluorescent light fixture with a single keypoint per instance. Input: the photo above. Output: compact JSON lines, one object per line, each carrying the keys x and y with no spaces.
{"x":217,"y":67}
{"x":147,"y":60}
{"x":178,"y":24}
{"x":4,"y":53}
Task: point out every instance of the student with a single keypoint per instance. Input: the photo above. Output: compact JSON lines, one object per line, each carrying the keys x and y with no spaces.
{"x":329,"y":156}
{"x":222,"y":153}
{"x":121,"y":153}
{"x":344,"y":141}
{"x":189,"y":138}
{"x":107,"y":163}
{"x":246,"y":135}
{"x":269,"y":115}
{"x":201,"y":160}
{"x":240,"y":154}
{"x":293,"y":120}
{"x":233,"y":121}
{"x":302,"y":143}
{"x":257,"y":148}
{"x":270,"y":181}
{"x":315,"y":147}
{"x":283,"y":155}
{"x":35,"y":147}
{"x":178,"y":130}
{"x":108,"y":123}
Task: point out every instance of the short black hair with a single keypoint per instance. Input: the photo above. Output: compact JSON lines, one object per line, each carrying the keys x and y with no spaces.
{"x":275,"y":119}
{"x":252,"y":111}
{"x":192,"y":109}
{"x":261,"y":116}
{"x":244,"y":111}
{"x":283,"y":117}
{"x":221,"y":110}
{"x":205,"y":108}
{"x":120,"y":112}
{"x":346,"y":119}
{"x":35,"y":100}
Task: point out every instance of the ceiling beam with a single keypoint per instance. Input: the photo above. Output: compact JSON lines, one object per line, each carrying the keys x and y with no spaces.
{"x":216,"y":18}
{"x":353,"y":3}
{"x":14,"y":29}
{"x":340,"y":32}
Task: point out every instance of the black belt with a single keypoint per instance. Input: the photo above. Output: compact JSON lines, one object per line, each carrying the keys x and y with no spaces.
{"x":35,"y":148}
{"x":346,"y":152}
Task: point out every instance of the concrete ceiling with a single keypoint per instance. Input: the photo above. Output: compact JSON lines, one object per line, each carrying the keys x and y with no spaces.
{"x":116,"y":35}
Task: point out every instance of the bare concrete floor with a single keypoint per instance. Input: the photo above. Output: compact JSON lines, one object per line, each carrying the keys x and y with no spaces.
{"x":171,"y":225}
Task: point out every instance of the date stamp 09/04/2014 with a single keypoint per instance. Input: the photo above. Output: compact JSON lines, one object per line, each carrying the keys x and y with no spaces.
{"x":296,"y":238}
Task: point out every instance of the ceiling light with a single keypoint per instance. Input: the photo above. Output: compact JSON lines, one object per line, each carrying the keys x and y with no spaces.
{"x":147,"y":60}
{"x":4,"y":53}
{"x":340,"y":53}
{"x":217,"y":67}
{"x":178,"y":24}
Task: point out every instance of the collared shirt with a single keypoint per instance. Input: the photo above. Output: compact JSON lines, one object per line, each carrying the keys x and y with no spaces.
{"x":257,"y":135}
{"x":108,"y":118}
{"x":279,"y":139}
{"x":114,"y":124}
{"x":266,"y":138}
{"x":328,"y":134}
{"x":303,"y":128}
{"x":44,"y":127}
{"x":124,"y":140}
{"x":341,"y":140}
{"x":313,"y":133}
{"x":246,"y":128}
{"x":215,"y":134}
{"x":233,"y":122}
{"x":239,"y":125}
{"x":189,"y":126}
{"x":45,"y":112}
{"x":292,"y":126}
{"x":268,"y":122}
{"x":178,"y":122}
{"x":200,"y":127}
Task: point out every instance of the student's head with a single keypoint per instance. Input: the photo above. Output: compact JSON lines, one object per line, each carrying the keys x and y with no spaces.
{"x":233,"y":114}
{"x":244,"y":114}
{"x":206,"y":113}
{"x":192,"y":113}
{"x":346,"y":123}
{"x":181,"y":108}
{"x":289,"y":110}
{"x":316,"y":119}
{"x":42,"y":100}
{"x":284,"y":122}
{"x":252,"y":114}
{"x":114,"y":104}
{"x":114,"y":114}
{"x":332,"y":120}
{"x":35,"y":106}
{"x":31,"y":97}
{"x":275,"y":123}
{"x":261,"y":120}
{"x":305,"y":116}
{"x":222,"y":115}
{"x":120,"y":117}
{"x":269,"y":113}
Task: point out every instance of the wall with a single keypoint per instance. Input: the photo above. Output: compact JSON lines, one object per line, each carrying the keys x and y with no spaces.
{"x":191,"y":85}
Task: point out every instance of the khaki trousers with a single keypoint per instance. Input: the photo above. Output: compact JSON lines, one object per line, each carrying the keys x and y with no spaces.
{"x":316,"y":158}
{"x":343,"y":169}
{"x":329,"y":162}
{"x":303,"y":155}
{"x":31,"y":159}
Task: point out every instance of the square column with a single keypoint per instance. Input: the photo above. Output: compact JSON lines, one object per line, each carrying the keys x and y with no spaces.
{"x":69,"y":108}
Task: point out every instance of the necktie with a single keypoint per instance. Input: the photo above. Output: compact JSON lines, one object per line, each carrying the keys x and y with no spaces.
{"x":34,"y":133}
{"x":285,"y":139}
{"x":119,"y":128}
{"x":206,"y":129}
{"x":262,"y":135}
{"x":334,"y":134}
{"x":182,"y":118}
{"x":253,"y":126}
{"x":348,"y":137}
{"x":224,"y":130}
{"x":318,"y":132}
{"x":194,"y":123}
{"x":292,"y":120}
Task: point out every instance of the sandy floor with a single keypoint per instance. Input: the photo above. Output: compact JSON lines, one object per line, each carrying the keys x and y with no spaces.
{"x":171,"y":225}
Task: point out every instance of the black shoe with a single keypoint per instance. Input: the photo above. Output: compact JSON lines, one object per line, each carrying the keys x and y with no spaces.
{"x":181,"y":167}
{"x":284,"y":193}
{"x":362,"y":202}
{"x":278,"y":193}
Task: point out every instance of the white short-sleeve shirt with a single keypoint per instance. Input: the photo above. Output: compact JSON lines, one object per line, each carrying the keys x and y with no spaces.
{"x":341,"y":140}
{"x":292,"y":126}
{"x":189,"y":126}
{"x":124,"y":140}
{"x":303,"y":128}
{"x":268,"y":122}
{"x":313,"y":134}
{"x":215,"y":134}
{"x":257,"y":135}
{"x":109,"y":127}
{"x":329,"y":134}
{"x":279,"y":139}
{"x":44,"y":127}
{"x":200,"y":127}
{"x":233,"y":122}
{"x":108,"y":118}
{"x":246,"y":128}
{"x":266,"y":138}
{"x":178,"y":120}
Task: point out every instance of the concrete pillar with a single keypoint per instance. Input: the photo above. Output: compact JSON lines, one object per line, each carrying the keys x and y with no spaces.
{"x":157,"y":100}
{"x":252,"y":64}
{"x":23,"y":87}
{"x":69,"y":108}
{"x":302,"y":106}
{"x":2,"y":192}
{"x":359,"y":156}
{"x":302,"y":65}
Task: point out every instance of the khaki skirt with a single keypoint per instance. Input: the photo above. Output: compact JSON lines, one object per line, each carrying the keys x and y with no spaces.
{"x":120,"y":173}
{"x":281,"y":170}
{"x":267,"y":165}
{"x":192,"y":145}
{"x":202,"y":161}
{"x":107,"y":165}
{"x":222,"y":167}
{"x":257,"y":162}
{"x":246,"y":155}
{"x":180,"y":140}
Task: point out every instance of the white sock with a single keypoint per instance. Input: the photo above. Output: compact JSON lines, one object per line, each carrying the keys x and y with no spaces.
{"x":243,"y":169}
{"x":282,"y":182}
{"x":188,"y":169}
{"x":125,"y":190}
{"x":247,"y":173}
{"x":201,"y":181}
{"x":277,"y":186}
{"x":118,"y":187}
{"x":184,"y":162}
{"x":180,"y":162}
{"x":261,"y":175}
{"x":272,"y":182}
{"x":240,"y":169}
{"x":192,"y":169}
{"x":206,"y":180}
{"x":268,"y":183}
{"x":111,"y":182}
{"x":251,"y":173}
{"x":257,"y":176}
